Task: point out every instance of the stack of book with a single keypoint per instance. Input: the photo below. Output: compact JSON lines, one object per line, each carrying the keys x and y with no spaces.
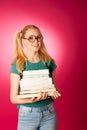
{"x":34,"y":82}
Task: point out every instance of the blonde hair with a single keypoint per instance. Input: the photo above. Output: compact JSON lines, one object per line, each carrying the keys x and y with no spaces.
{"x":19,"y":55}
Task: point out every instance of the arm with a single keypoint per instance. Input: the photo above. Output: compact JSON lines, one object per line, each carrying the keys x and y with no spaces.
{"x":14,"y":80}
{"x":54,"y":76}
{"x":56,"y":94}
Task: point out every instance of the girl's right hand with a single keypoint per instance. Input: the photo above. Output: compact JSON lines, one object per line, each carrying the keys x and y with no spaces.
{"x":42,"y":96}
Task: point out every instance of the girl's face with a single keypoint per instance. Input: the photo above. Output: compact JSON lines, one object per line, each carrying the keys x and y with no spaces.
{"x":32,"y":40}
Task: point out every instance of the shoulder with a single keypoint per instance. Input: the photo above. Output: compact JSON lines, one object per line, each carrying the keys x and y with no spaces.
{"x":14,"y":68}
{"x":51,"y":64}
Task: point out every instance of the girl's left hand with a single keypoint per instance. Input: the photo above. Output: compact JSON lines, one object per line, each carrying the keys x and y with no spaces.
{"x":56,"y":94}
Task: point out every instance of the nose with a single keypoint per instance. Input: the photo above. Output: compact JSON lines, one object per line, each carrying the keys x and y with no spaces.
{"x":36,"y":39}
{"x":35,"y":43}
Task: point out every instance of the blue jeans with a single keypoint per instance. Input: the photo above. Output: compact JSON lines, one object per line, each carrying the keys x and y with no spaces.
{"x":43,"y":118}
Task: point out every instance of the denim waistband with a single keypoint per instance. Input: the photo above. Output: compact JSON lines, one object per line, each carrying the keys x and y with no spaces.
{"x":39,"y":109}
{"x":45,"y":108}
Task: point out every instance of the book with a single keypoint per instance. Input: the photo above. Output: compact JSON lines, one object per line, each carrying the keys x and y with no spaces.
{"x":34,"y":82}
{"x":33,"y":95}
{"x":36,"y":73}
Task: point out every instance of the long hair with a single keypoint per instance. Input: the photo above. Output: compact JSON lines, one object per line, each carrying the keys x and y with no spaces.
{"x":19,"y":55}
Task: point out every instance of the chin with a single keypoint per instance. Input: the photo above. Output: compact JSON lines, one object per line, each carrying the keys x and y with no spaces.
{"x":36,"y":50}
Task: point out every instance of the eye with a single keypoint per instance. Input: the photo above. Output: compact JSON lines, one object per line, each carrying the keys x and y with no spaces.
{"x":39,"y":37}
{"x":31,"y":38}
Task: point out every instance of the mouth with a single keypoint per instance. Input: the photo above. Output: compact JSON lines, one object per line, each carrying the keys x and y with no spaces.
{"x":36,"y":46}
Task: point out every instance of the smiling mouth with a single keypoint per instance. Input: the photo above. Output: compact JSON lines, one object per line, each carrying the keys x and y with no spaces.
{"x":36,"y":46}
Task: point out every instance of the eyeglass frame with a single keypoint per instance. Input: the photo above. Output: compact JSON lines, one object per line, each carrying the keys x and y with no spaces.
{"x":35,"y":38}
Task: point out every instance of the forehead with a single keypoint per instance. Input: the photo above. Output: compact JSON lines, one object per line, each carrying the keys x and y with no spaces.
{"x":32,"y":32}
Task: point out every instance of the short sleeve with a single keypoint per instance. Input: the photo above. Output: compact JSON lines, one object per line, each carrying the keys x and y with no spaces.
{"x":14,"y":69}
{"x":52,"y":65}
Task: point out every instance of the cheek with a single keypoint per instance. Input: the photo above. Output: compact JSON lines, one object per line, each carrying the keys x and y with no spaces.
{"x":39,"y":44}
{"x":26,"y":44}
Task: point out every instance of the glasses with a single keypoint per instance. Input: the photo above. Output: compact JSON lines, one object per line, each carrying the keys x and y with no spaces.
{"x":32,"y":38}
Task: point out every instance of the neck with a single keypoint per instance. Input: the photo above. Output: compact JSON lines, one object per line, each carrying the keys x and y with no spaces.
{"x":33,"y":56}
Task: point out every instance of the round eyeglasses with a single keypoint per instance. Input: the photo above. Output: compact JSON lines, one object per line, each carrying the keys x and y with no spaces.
{"x":32,"y":38}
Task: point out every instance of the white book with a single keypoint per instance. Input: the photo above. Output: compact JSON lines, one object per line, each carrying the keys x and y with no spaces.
{"x":35,"y":82}
{"x":36,"y":79}
{"x":34,"y":95}
{"x":37,"y":91}
{"x":28,"y":95}
{"x":35,"y":75}
{"x":30,"y":72}
{"x":44,"y":86}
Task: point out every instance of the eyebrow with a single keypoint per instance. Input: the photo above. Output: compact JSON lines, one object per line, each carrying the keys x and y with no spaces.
{"x":35,"y":35}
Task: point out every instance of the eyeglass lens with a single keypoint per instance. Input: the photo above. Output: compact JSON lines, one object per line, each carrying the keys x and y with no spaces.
{"x":32,"y":38}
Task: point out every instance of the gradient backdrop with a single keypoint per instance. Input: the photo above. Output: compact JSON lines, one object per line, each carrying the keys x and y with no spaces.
{"x":64,"y":28}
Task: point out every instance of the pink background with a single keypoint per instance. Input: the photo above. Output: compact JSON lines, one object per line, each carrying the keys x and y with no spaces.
{"x":64,"y":28}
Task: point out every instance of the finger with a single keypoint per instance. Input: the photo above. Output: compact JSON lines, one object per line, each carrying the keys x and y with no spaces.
{"x":39,"y":97}
{"x":32,"y":99}
{"x":59,"y":92}
{"x":55,"y":95}
{"x":44,"y":95}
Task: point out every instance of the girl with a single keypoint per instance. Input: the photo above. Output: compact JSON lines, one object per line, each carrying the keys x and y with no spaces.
{"x":36,"y":113}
